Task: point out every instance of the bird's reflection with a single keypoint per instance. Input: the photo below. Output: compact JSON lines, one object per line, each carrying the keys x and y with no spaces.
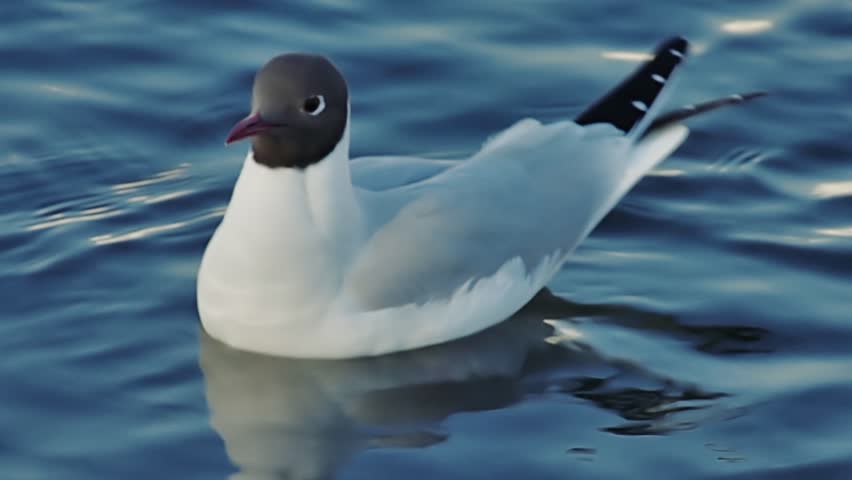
{"x":303,"y":419}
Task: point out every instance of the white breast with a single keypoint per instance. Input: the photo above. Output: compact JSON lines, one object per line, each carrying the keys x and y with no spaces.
{"x":252,"y":320}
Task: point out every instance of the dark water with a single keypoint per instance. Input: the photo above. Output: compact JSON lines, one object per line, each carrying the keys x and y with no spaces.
{"x":709,"y":335}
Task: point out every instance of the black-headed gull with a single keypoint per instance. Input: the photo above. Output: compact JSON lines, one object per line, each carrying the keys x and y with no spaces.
{"x":319,"y":256}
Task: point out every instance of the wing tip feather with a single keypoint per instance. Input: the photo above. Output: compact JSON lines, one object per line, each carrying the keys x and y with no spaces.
{"x":629,"y":104}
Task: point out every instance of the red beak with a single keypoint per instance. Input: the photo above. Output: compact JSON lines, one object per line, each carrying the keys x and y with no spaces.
{"x":247,"y":127}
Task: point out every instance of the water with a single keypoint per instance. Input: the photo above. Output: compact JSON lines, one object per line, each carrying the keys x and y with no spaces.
{"x":708,"y":335}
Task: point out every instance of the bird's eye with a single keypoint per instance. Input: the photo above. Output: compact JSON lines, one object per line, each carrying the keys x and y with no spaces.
{"x":314,"y":105}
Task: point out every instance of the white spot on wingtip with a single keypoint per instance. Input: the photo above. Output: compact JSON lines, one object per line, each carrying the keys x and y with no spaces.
{"x":658,"y":78}
{"x":737,"y":97}
{"x":676,"y":53}
{"x":640,"y":106}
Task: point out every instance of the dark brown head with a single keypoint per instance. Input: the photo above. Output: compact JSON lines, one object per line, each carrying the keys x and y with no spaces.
{"x":299,"y":111}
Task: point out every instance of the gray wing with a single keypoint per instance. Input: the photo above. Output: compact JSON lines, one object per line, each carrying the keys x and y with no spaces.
{"x":531,"y":192}
{"x":527,"y":198}
{"x":381,"y":173}
{"x":387,"y":172}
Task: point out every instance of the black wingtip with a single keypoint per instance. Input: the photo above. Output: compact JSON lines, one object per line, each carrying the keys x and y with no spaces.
{"x":627,"y":104}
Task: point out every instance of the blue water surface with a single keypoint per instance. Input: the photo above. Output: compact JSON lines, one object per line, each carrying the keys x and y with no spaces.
{"x":707,"y":331}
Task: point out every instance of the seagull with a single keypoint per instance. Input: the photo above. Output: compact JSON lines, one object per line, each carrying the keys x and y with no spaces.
{"x":323,"y":256}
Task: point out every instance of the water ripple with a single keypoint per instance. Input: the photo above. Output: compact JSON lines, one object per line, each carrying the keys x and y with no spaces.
{"x":711,"y":341}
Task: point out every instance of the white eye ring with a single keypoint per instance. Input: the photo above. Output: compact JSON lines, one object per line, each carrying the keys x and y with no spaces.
{"x":319,"y":108}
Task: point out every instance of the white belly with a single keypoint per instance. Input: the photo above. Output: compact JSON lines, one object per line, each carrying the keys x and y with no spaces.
{"x":257,"y":319}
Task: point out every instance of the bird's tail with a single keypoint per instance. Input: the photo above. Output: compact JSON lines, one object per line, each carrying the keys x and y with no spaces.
{"x":675,"y":116}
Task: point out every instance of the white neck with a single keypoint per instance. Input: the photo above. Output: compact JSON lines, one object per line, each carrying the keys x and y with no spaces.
{"x":287,"y":231}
